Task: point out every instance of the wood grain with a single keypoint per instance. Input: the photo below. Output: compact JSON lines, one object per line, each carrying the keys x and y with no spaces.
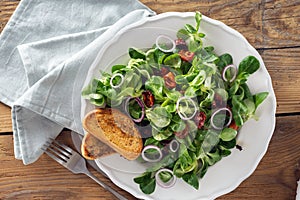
{"x":5,"y":119}
{"x":283,"y":66}
{"x":281,"y":24}
{"x":275,"y":176}
{"x":46,"y":179}
{"x":6,"y":10}
{"x":248,"y":19}
{"x":271,"y":26}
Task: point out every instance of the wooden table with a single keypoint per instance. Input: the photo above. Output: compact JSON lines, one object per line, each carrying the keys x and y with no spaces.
{"x":272,"y":27}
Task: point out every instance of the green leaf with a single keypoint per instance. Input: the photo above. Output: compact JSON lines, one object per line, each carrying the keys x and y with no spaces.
{"x":165,"y":176}
{"x":159,"y":116}
{"x":198,"y":18}
{"x":161,"y":135}
{"x":228,"y":134}
{"x":190,"y":28}
{"x":117,"y":67}
{"x":192,"y":179}
{"x":173,"y":60}
{"x":183,"y":34}
{"x":213,"y":157}
{"x":250,"y":106}
{"x":224,"y":60}
{"x":148,"y":186}
{"x":250,"y":64}
{"x":259,"y":98}
{"x":156,"y":84}
{"x":237,"y":117}
{"x":136,"y":54}
{"x":228,"y":144}
{"x":199,"y":79}
{"x":143,"y":177}
{"x":210,"y":141}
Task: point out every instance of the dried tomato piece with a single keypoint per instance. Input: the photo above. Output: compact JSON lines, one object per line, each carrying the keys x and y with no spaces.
{"x":169,"y":79}
{"x":218,"y":101}
{"x":148,"y":98}
{"x":233,"y":125}
{"x":186,"y":55}
{"x":164,"y":71}
{"x":181,"y":44}
{"x":182,"y":134}
{"x":200,"y":119}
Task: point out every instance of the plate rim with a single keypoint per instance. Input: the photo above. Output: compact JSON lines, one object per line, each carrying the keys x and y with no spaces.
{"x":229,"y":30}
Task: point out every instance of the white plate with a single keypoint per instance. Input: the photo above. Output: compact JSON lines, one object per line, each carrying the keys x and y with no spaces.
{"x":254,"y":136}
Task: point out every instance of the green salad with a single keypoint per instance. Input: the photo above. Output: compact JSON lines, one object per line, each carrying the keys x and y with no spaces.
{"x":188,"y":103}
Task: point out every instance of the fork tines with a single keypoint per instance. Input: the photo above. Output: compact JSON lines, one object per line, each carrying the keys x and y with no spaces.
{"x":59,"y":152}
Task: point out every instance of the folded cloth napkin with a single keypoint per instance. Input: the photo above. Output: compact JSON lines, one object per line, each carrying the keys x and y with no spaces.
{"x":46,"y":50}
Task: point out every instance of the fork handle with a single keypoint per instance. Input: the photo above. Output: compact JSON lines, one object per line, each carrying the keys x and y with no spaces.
{"x":115,"y":193}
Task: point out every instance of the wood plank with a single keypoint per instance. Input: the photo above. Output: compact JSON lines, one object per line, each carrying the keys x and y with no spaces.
{"x":6,"y":10}
{"x":283,"y":66}
{"x":278,"y":172}
{"x":248,"y":19}
{"x":5,"y":119}
{"x":46,"y":179}
{"x":275,"y":176}
{"x":281,"y":23}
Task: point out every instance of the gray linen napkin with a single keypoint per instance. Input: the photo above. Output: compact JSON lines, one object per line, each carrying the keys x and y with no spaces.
{"x":46,"y":50}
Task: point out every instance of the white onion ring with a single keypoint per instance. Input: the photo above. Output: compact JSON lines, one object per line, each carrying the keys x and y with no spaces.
{"x":116,"y":75}
{"x":139,"y":101}
{"x":172,"y":149}
{"x":224,"y":72}
{"x":216,"y":112}
{"x":169,"y":39}
{"x":168,"y":184}
{"x":152,"y":147}
{"x":179,"y":113}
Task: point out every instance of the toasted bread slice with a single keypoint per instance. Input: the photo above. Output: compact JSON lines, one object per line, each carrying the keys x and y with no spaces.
{"x":115,"y":129}
{"x":92,"y":148}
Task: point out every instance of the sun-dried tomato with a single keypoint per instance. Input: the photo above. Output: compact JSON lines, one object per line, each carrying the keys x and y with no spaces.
{"x":181,"y":44}
{"x":164,"y":71}
{"x":233,"y":125}
{"x":148,"y":98}
{"x":200,"y":119}
{"x":182,"y":134}
{"x":169,"y":79}
{"x":218,"y":101}
{"x":186,"y":55}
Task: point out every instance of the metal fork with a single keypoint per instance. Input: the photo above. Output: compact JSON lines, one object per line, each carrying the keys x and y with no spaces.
{"x":74,"y":162}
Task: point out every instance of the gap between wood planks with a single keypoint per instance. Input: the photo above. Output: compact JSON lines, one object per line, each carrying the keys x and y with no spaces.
{"x":275,"y":48}
{"x":287,"y":114}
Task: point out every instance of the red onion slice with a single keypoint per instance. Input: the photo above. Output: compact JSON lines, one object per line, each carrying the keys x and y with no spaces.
{"x":114,"y":76}
{"x":225,"y":70}
{"x":154,"y":148}
{"x":216,"y":112}
{"x":174,"y":146}
{"x":139,"y":101}
{"x":168,"y":184}
{"x":163,"y":39}
{"x":181,"y":115}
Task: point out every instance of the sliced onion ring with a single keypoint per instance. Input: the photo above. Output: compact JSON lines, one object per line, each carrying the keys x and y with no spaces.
{"x":216,"y":112}
{"x":168,"y":184}
{"x":139,"y":101}
{"x":155,"y":148}
{"x":180,"y":114}
{"x":168,"y":39}
{"x":225,"y":70}
{"x":114,"y":76}
{"x":172,"y":144}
